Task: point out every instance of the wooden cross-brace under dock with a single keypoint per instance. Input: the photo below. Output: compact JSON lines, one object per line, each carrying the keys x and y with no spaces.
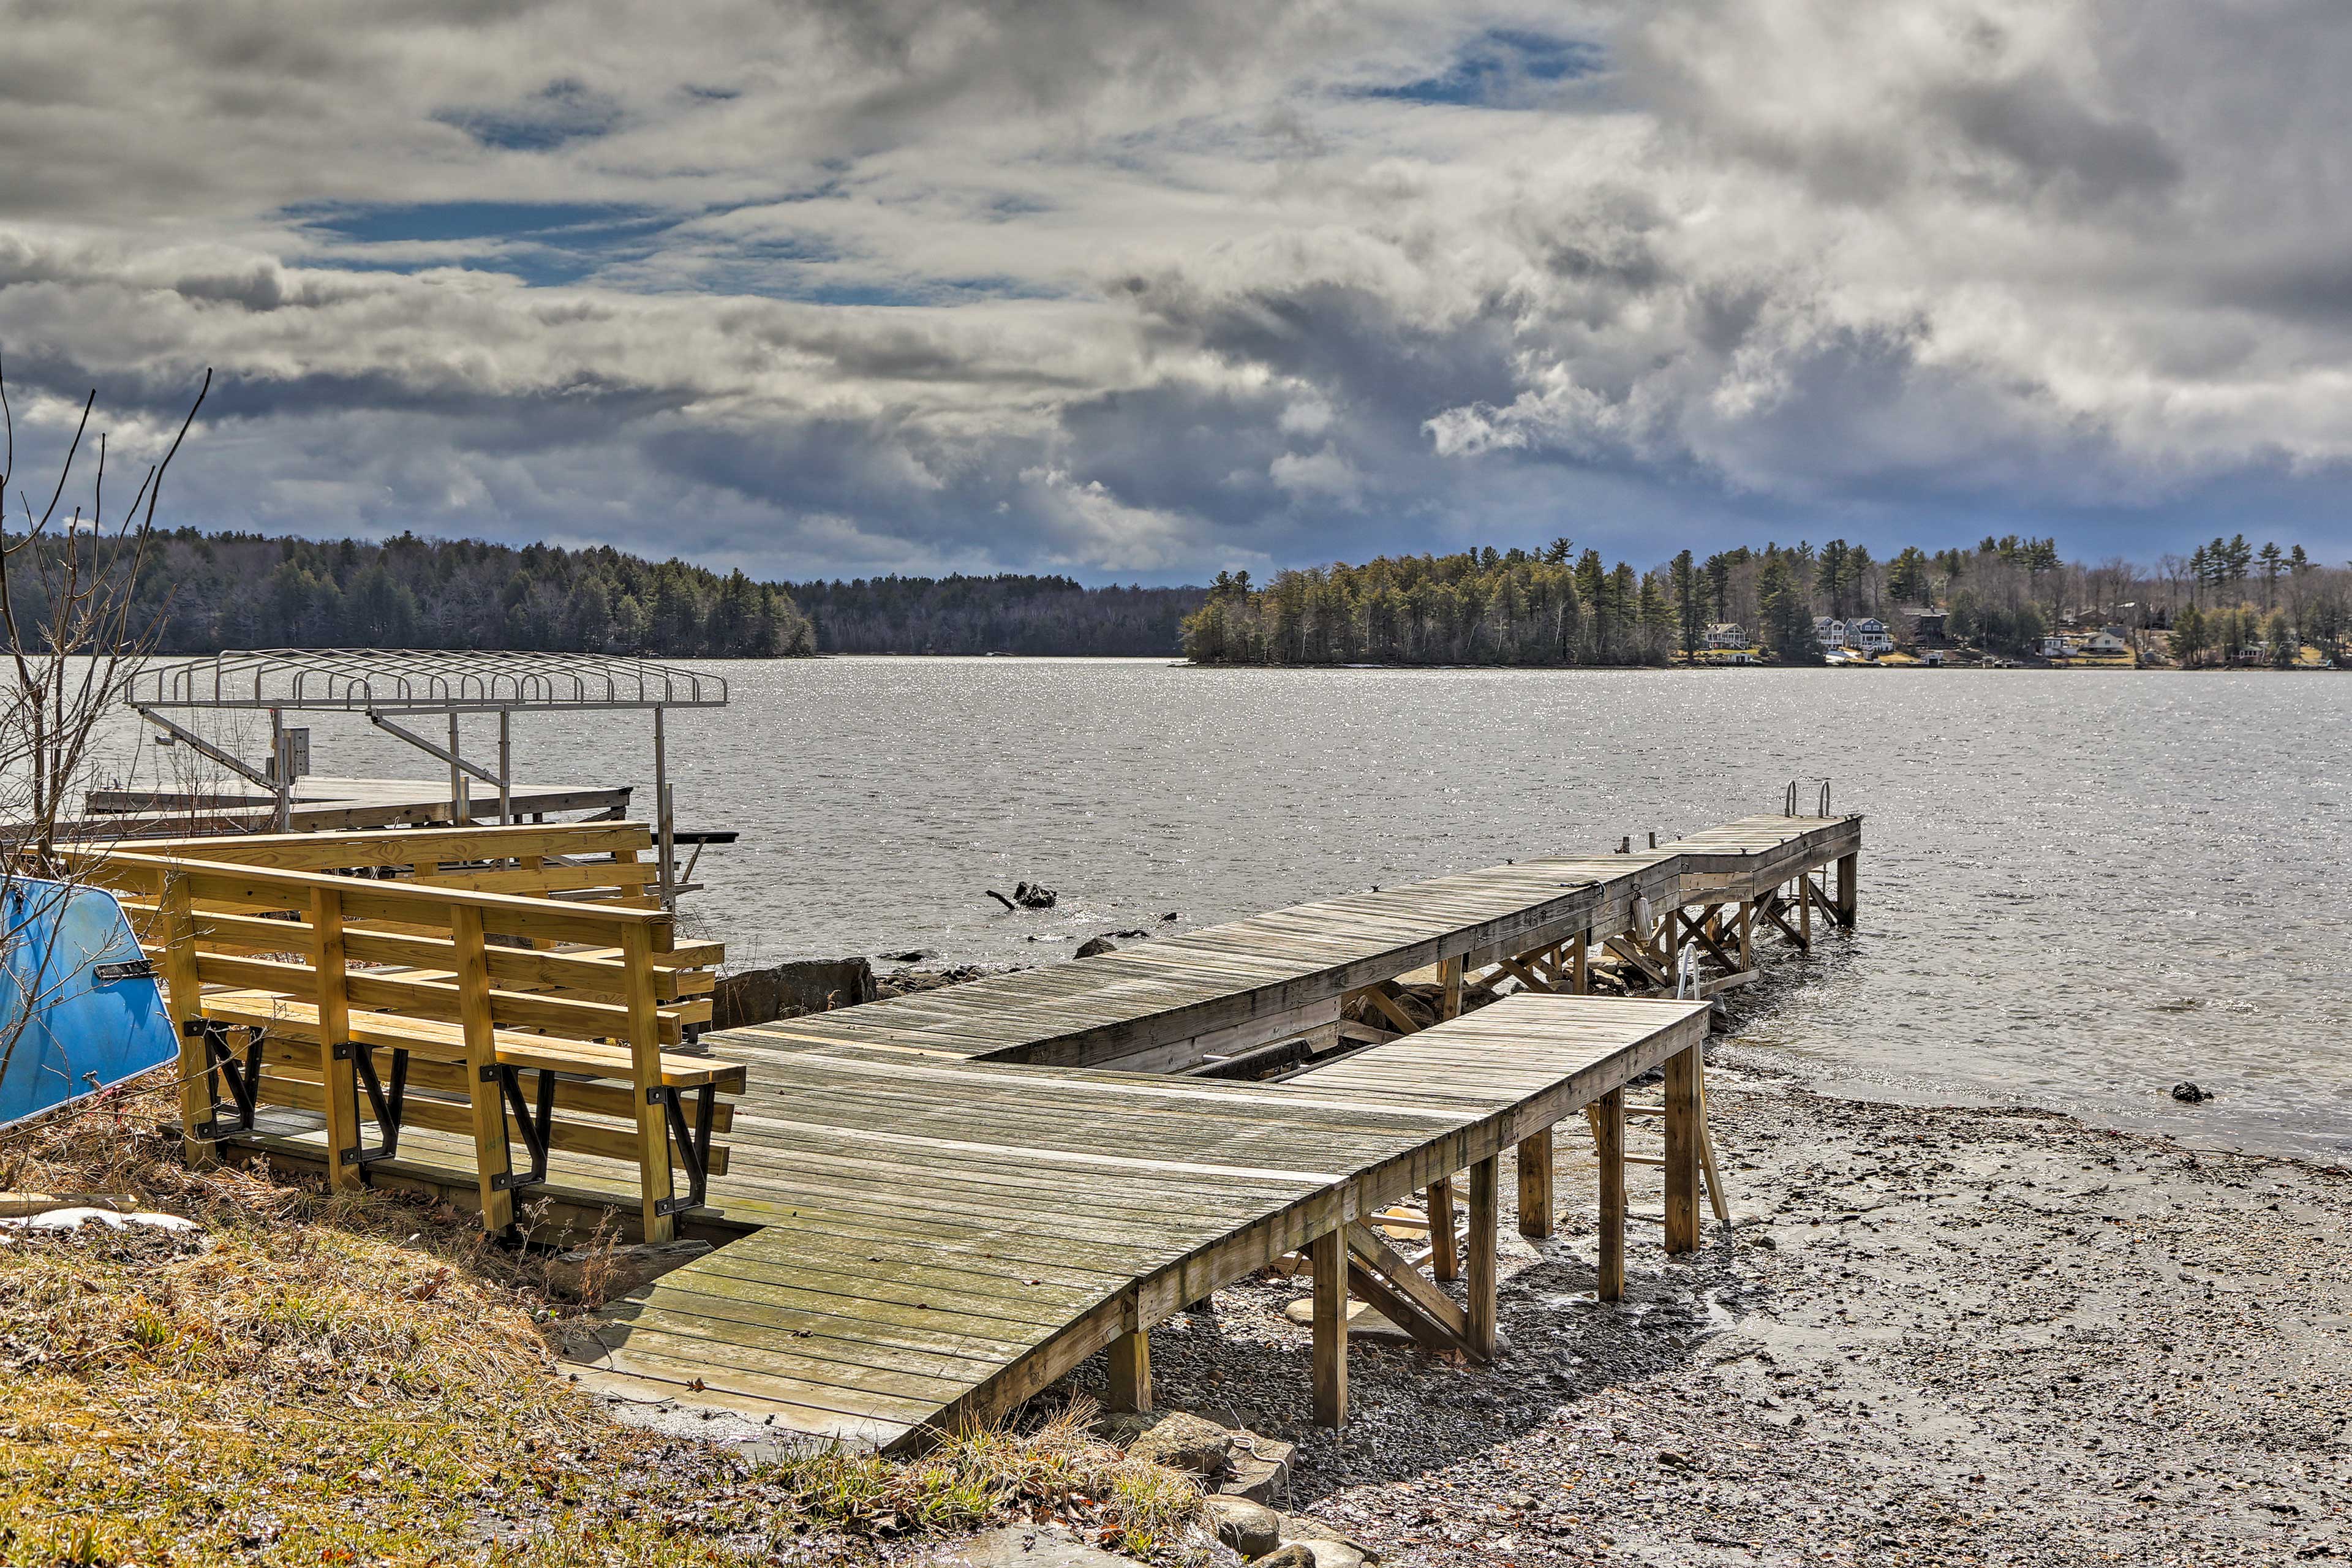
{"x":943,"y":1203}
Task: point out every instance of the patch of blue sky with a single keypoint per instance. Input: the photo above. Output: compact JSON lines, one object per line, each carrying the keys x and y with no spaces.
{"x":1497,"y":67}
{"x":558,"y":112}
{"x":925,"y":291}
{"x":540,"y":242}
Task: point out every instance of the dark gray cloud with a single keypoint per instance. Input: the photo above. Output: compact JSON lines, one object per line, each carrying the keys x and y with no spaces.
{"x":1144,"y":290}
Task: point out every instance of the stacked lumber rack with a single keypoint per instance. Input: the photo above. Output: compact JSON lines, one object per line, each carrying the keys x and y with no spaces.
{"x":502,"y":986}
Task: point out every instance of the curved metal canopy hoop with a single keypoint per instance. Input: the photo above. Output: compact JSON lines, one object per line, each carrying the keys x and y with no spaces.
{"x":413,"y":681}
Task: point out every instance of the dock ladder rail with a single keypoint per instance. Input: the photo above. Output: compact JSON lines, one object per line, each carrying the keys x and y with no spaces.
{"x":1790,"y":809}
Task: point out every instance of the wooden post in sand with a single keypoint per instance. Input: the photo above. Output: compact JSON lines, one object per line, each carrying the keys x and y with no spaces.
{"x":1609,"y":1144}
{"x":1684,"y":1129}
{"x":1486,"y":1219}
{"x":1536,"y":1210}
{"x":1329,"y":1253}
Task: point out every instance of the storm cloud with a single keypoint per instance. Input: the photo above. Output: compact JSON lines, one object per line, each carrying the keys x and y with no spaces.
{"x":1139,"y":290}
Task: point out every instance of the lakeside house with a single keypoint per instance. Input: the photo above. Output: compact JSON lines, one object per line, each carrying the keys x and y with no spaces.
{"x":1727,"y":634}
{"x":1925,"y":626}
{"x":1829,"y":632}
{"x":2109,"y":642}
{"x":1869,"y":634}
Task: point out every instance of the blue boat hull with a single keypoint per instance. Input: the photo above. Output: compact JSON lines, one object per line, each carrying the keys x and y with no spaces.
{"x":79,"y":1008}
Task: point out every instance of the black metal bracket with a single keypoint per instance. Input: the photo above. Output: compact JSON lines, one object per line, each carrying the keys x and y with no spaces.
{"x":533,"y":1122}
{"x":244,"y":1079}
{"x":385,"y":1104}
{"x":693,"y":1145}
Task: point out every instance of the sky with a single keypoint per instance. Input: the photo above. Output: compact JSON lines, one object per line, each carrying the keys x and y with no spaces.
{"x":1139,"y":289}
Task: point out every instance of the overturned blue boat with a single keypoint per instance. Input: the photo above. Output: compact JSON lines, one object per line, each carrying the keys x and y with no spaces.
{"x":79,"y":1009}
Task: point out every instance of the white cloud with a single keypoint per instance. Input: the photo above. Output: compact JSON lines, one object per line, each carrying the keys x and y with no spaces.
{"x":1155,"y":289}
{"x":1318,"y":475}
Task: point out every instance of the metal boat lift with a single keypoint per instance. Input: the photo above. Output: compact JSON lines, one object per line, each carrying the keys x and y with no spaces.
{"x":416,"y":682}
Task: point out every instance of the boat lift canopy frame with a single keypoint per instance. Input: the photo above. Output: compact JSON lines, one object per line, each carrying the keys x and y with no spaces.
{"x":381,"y":682}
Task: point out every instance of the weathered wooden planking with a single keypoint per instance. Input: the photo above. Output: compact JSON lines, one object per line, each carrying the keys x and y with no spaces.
{"x":1265,"y":967}
{"x":973,"y":1284}
{"x":946,"y":1211}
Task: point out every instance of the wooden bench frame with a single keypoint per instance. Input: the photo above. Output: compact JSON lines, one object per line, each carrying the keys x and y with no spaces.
{"x":533,"y":860}
{"x":204,"y":919}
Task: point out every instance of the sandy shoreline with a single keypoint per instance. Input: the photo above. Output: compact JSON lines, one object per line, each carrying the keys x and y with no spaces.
{"x":1938,"y":1335}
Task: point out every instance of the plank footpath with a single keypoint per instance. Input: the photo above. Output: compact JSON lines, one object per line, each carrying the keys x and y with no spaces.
{"x":951,"y":1199}
{"x":939,"y":1241}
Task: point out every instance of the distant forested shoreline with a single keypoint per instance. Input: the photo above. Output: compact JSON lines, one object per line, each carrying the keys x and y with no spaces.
{"x":201,"y":592}
{"x":1005,"y":614}
{"x":2228,"y":603}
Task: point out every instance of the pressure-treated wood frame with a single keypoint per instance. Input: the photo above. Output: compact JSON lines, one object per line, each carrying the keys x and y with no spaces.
{"x":425,"y":1004}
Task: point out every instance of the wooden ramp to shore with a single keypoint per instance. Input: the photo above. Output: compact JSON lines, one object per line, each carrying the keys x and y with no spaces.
{"x":942,"y":1202}
{"x":938,"y":1241}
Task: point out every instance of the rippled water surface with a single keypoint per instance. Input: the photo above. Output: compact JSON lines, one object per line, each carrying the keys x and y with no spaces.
{"x":2076,"y":888}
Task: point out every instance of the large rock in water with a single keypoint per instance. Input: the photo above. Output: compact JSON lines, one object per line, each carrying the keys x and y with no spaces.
{"x":789,"y":989}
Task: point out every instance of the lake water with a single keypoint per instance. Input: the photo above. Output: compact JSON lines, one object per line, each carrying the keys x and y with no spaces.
{"x":2076,"y":888}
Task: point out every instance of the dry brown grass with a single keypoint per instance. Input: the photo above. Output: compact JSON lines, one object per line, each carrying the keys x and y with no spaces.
{"x":365,"y":1377}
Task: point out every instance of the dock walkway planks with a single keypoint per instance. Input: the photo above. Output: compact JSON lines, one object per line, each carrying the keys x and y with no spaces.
{"x":1122,"y":1007}
{"x":902,"y":1276}
{"x":951,"y":1199}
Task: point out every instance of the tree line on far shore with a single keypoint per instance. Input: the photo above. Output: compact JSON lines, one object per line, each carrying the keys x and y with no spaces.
{"x":201,"y":592}
{"x":2227,"y":602}
{"x":1008,"y":613}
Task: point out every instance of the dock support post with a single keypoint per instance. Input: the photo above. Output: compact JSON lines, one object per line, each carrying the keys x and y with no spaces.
{"x":1329,"y":1255}
{"x":338,"y":1080}
{"x":1449,"y":977}
{"x":1805,"y":911}
{"x":1684,"y":1132}
{"x":658,"y":1223}
{"x":1849,"y":879}
{"x":1486,"y":1219}
{"x":1535,"y":1211}
{"x":176,"y":924}
{"x":1747,"y":935}
{"x":1609,"y":1143}
{"x":1582,"y":984}
{"x":506,"y":767}
{"x":489,"y":1118}
{"x":1130,"y":1371}
{"x":1444,"y":1259}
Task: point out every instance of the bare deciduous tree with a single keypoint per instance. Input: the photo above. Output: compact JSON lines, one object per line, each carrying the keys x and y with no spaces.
{"x":68,"y":581}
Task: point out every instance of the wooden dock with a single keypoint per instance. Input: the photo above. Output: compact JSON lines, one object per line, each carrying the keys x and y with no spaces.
{"x":338,"y":804}
{"x":941,"y":1203}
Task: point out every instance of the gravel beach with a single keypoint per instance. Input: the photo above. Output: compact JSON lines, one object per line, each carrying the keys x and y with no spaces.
{"x":1934,"y":1336}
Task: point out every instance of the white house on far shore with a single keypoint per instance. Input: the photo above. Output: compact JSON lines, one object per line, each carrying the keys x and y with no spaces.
{"x":1829,"y":632}
{"x":1726,"y":635}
